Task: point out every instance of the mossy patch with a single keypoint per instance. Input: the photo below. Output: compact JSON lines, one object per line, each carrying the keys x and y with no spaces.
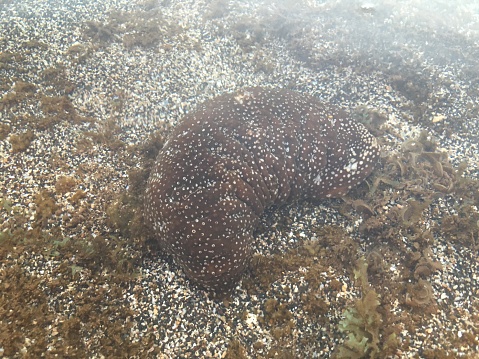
{"x":20,"y":142}
{"x":235,"y":350}
{"x":4,"y":131}
{"x":45,"y":208}
{"x":144,"y":26}
{"x":34,"y":44}
{"x":8,"y":59}
{"x":56,"y":78}
{"x":107,"y":134}
{"x":362,"y":321}
{"x":20,"y":92}
{"x":24,"y":312}
{"x":65,"y":184}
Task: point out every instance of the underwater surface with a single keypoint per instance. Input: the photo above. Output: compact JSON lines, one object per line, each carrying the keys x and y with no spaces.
{"x":90,"y":91}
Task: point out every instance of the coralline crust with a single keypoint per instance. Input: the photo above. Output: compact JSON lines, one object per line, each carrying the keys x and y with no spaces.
{"x":237,"y":155}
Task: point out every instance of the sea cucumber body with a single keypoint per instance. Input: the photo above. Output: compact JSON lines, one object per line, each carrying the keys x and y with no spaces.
{"x":237,"y":155}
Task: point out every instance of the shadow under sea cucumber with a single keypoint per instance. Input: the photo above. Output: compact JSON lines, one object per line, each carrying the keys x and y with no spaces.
{"x":237,"y":155}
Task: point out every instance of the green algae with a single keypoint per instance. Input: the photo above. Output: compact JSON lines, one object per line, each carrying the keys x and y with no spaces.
{"x":362,"y":321}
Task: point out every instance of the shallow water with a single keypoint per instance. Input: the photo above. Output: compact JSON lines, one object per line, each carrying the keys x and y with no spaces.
{"x":83,"y":86}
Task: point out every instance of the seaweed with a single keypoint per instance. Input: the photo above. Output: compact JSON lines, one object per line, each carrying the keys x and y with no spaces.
{"x":20,"y":142}
{"x":57,"y":109}
{"x":65,"y":184}
{"x":363,"y":321}
{"x":148,"y":28}
{"x":20,"y":91}
{"x":314,"y":305}
{"x":34,"y":44}
{"x":94,"y":271}
{"x":79,"y":53}
{"x":145,"y":35}
{"x":461,"y":227}
{"x":280,"y":353}
{"x":45,"y":208}
{"x":235,"y":350}
{"x":144,"y":27}
{"x":372,"y":119}
{"x":375,"y":261}
{"x":421,"y":294}
{"x":107,"y":134}
{"x":24,"y":312}
{"x":123,"y":214}
{"x":7,"y":60}
{"x":412,"y":212}
{"x":278,"y":318}
{"x":263,"y":271}
{"x":56,"y":78}
{"x":77,"y":196}
{"x":102,"y":33}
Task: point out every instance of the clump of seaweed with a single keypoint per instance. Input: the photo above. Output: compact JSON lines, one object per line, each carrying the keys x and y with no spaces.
{"x":57,"y":80}
{"x":372,"y":119}
{"x":279,"y":319}
{"x":34,"y":44}
{"x":419,"y":169}
{"x":102,"y":33}
{"x":23,"y":306}
{"x":314,"y":305}
{"x":107,"y":134}
{"x":410,"y":187}
{"x":276,"y":313}
{"x":65,"y":184}
{"x":77,"y":196}
{"x":20,"y":91}
{"x":95,"y":269}
{"x":124,"y":214}
{"x":363,"y":322}
{"x":375,"y":261}
{"x":7,"y":60}
{"x":5,"y":83}
{"x":45,"y":208}
{"x":462,"y":227}
{"x":4,"y":131}
{"x":424,"y":266}
{"x":235,"y":350}
{"x":264,"y":271}
{"x":217,"y":9}
{"x":125,"y":211}
{"x":145,"y":27}
{"x":57,"y":109}
{"x":420,"y":294}
{"x":78,"y":53}
{"x":333,"y":245}
{"x":20,"y":142}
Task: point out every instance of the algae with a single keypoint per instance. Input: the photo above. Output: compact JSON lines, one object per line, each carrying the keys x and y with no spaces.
{"x":21,"y":142}
{"x":65,"y":184}
{"x":363,"y":322}
{"x":235,"y":350}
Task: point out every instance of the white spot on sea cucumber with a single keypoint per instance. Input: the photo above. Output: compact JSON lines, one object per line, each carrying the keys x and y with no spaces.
{"x":352,"y":166}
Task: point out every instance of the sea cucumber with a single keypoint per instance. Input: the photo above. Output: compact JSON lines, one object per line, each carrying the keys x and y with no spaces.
{"x":237,"y":155}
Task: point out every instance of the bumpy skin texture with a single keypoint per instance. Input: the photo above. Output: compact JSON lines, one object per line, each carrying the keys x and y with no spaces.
{"x":237,"y":155}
